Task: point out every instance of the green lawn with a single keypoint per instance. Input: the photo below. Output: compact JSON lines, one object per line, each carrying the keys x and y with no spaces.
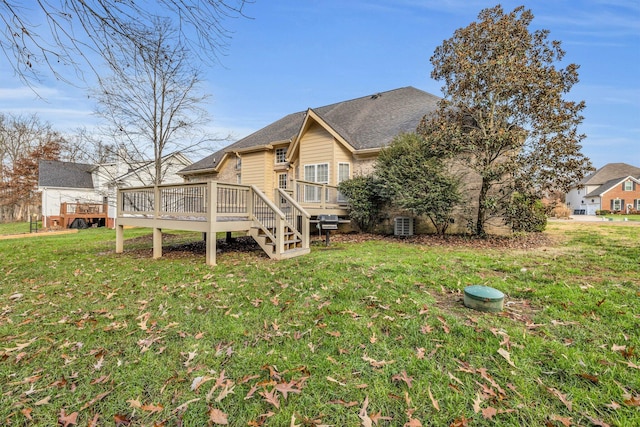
{"x":363,"y":332}
{"x":633,"y":217}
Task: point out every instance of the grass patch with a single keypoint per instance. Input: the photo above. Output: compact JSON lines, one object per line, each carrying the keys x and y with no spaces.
{"x":358,"y":331}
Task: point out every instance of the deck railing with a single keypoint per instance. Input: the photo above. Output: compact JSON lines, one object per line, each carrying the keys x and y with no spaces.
{"x":183,"y":200}
{"x":82,"y":208}
{"x":313,"y":194}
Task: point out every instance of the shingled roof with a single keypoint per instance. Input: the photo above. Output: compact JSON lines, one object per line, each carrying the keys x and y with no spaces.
{"x":53,"y":173}
{"x":611,"y":172}
{"x":368,"y":122}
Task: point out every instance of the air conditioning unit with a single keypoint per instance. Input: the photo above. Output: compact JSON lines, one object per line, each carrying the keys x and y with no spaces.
{"x":403,"y":226}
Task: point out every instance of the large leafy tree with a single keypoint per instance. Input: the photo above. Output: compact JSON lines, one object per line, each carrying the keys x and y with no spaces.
{"x":414,"y":177}
{"x":504,"y":112}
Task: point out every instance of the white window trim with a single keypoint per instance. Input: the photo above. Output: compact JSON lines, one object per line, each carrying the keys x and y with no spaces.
{"x":342,"y":197}
{"x":314,"y":194}
{"x":630,"y":184}
{"x":315,"y":172}
{"x":619,"y":203}
{"x":286,"y":179}
{"x":284,"y":155}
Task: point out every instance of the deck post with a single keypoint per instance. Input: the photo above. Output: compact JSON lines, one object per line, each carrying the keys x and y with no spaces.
{"x":157,"y":242}
{"x":305,"y":231}
{"x":157,"y":232}
{"x":212,"y":204}
{"x":119,"y":238}
{"x":279,"y":235}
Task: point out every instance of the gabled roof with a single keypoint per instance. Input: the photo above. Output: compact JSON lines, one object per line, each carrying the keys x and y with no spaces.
{"x":611,"y":184}
{"x":364,"y":123}
{"x":53,"y":173}
{"x":609,"y":172}
{"x":150,"y":164}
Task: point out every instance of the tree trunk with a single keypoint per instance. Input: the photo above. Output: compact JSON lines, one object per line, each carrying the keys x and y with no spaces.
{"x":482,"y":207}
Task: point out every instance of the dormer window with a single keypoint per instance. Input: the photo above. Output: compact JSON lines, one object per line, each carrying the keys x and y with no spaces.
{"x":281,"y":155}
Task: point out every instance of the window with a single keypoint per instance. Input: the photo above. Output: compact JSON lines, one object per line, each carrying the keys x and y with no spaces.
{"x":638,"y":204}
{"x":627,"y":186}
{"x":238,"y":163}
{"x":281,"y":155}
{"x":616,"y":205}
{"x":282,"y":181}
{"x":344,"y":173}
{"x":238,"y":178}
{"x":315,"y":173}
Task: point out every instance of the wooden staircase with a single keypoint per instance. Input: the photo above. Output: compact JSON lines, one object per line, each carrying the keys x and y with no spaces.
{"x":281,"y":235}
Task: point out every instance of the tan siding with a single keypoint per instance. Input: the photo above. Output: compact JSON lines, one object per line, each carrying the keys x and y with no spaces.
{"x":341,"y":155}
{"x":318,"y":146}
{"x":257,"y":169}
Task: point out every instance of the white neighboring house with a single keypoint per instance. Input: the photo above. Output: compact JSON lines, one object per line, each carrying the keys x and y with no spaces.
{"x":87,"y":192}
{"x":614,"y":187}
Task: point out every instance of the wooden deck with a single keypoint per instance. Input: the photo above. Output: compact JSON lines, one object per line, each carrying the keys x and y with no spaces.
{"x":281,"y":229}
{"x":89,"y":213}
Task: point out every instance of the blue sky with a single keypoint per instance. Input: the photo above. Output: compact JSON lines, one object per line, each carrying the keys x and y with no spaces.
{"x":295,"y":54}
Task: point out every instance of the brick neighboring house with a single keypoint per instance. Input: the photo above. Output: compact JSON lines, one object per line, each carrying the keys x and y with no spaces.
{"x":614,"y":187}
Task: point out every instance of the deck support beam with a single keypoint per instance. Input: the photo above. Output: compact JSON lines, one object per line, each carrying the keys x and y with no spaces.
{"x":212,"y":208}
{"x":119,"y":238}
{"x":157,"y":242}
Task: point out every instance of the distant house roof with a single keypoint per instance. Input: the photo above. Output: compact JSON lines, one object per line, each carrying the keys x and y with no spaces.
{"x":610,"y":184}
{"x":611,"y":172}
{"x":364,"y":123}
{"x":53,"y":173}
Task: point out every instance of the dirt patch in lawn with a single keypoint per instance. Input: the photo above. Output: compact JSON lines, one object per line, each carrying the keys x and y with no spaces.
{"x":519,"y":242}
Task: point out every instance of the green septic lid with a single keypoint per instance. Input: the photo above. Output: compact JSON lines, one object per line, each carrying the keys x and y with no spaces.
{"x":483,"y":293}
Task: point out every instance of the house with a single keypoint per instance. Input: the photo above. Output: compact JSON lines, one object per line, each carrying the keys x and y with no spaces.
{"x":309,"y":153}
{"x":275,"y":182}
{"x":614,"y":187}
{"x":80,"y":194}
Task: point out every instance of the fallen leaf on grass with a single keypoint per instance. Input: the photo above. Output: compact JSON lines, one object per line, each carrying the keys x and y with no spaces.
{"x":43,"y":401}
{"x":632,"y":400}
{"x":363,"y":415}
{"x":413,"y":422}
{"x":96,"y":399}
{"x":271,"y":397}
{"x":290,"y":387}
{"x":94,"y":421}
{"x":596,"y":422}
{"x":27,"y":413}
{"x":227,"y":390}
{"x":377,"y":364}
{"x":558,"y":394}
{"x":216,"y":416}
{"x":121,"y":420}
{"x":333,"y":380}
{"x":504,"y":353}
{"x":566,"y":421}
{"x":476,"y":403}
{"x":402,"y":376}
{"x":67,"y":420}
{"x":434,"y":402}
{"x":613,"y":405}
{"x":489,"y":412}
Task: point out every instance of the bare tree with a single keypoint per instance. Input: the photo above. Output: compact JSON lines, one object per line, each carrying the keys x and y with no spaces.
{"x":23,"y":141}
{"x":151,"y":98}
{"x":55,"y":35}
